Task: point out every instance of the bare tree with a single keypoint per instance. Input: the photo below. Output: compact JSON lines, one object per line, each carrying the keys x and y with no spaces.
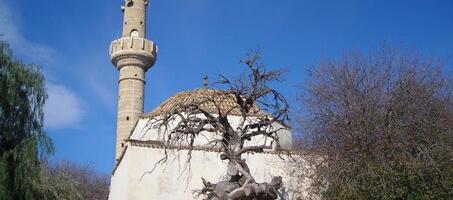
{"x":259,"y":107}
{"x":379,"y":126}
{"x":69,"y":181}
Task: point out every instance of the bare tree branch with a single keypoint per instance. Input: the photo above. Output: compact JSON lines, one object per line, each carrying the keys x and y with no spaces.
{"x":258,"y":107}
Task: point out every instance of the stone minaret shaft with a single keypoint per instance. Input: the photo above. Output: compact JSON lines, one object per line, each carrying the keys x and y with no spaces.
{"x":133,"y":55}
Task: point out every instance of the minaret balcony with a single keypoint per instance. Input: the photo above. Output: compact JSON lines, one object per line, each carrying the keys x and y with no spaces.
{"x":133,"y":51}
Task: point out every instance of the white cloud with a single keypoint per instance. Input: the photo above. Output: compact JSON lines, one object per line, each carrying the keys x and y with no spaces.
{"x":10,"y":32}
{"x":63,"y":108}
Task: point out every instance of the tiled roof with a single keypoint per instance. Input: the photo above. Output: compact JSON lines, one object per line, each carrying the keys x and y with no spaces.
{"x":200,"y":97}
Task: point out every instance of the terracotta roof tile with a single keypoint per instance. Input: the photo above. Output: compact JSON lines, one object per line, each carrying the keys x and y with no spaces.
{"x":201,"y":97}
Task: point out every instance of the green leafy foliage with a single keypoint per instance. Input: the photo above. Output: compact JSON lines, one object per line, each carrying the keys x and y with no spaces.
{"x":22,"y":140}
{"x":24,"y":146}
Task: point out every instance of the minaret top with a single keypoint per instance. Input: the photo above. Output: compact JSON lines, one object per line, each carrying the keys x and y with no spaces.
{"x":134,"y":23}
{"x":133,"y":48}
{"x":132,"y":55}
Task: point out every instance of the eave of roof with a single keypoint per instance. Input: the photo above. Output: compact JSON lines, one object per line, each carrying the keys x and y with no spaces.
{"x":191,"y":96}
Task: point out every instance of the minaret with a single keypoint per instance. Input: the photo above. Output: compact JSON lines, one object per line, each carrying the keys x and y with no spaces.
{"x":133,"y":55}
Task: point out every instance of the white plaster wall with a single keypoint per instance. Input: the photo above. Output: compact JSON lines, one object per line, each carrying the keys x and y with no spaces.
{"x":145,"y":131}
{"x":119,"y":186}
{"x":171,"y":182}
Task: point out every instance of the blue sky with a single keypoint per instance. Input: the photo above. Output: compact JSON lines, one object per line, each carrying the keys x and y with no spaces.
{"x":70,"y":40}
